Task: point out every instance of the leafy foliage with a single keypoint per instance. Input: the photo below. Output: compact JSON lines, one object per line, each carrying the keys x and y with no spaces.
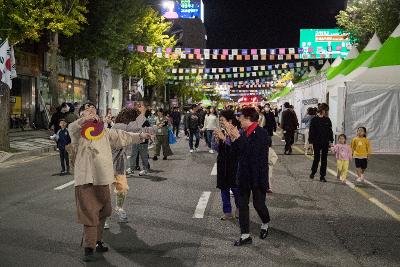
{"x":363,"y":18}
{"x":22,"y":20}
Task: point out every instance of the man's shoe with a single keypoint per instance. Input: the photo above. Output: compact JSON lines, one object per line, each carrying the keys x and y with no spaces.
{"x":165,"y":158}
{"x":191,"y":151}
{"x":243,"y":242}
{"x":312,"y":175}
{"x":100,"y":247}
{"x":62,"y":173}
{"x":122,"y":217}
{"x":143,"y":173}
{"x":263,"y":234}
{"x":89,"y":255}
{"x":322,"y":179}
{"x":155,"y":158}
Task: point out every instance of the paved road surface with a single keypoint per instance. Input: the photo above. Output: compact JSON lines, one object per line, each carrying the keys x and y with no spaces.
{"x":313,"y":224}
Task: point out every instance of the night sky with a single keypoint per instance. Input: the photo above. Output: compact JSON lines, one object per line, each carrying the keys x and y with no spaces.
{"x":265,"y":23}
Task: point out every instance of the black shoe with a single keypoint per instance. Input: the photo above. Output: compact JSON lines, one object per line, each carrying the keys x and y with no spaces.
{"x":263,"y":233}
{"x":165,"y":158}
{"x":312,"y":175}
{"x":243,"y":242}
{"x":100,"y":247}
{"x":285,"y":153}
{"x":290,"y":151}
{"x":89,"y":256}
{"x":62,"y":173}
{"x":322,"y":179}
{"x":155,"y":158}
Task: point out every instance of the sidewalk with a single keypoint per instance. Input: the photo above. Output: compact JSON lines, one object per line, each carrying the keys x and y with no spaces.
{"x":28,"y":143}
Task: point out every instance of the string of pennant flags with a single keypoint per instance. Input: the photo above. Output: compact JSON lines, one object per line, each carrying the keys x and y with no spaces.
{"x":286,"y":65}
{"x":232,"y":75}
{"x":271,"y":54}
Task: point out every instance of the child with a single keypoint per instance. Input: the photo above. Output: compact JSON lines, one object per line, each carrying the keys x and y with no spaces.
{"x":361,"y":150}
{"x":343,"y":156}
{"x":272,"y":159}
{"x":63,"y":139}
{"x":94,"y":174}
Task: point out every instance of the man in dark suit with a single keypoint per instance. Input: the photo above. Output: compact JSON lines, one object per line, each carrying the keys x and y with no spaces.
{"x":251,"y":147}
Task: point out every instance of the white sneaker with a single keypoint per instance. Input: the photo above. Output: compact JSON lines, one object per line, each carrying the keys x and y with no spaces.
{"x":142,"y":173}
{"x":106,"y":225}
{"x":196,"y":149}
{"x":122,"y":217}
{"x":191,"y":151}
{"x":128,"y":171}
{"x":211,"y":151}
{"x":151,"y":146}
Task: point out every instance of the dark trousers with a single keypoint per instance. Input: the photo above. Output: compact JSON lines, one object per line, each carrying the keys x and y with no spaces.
{"x":209,"y":135}
{"x":318,"y":150}
{"x":226,"y":199}
{"x":163,"y":142}
{"x":176,"y":129}
{"x":194,"y":133}
{"x":289,"y":140}
{"x":259,"y":204}
{"x":64,"y":159}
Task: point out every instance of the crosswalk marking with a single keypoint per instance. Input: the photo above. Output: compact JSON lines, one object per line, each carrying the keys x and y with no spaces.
{"x":202,"y":205}
{"x":214,"y":170}
{"x":64,"y":185}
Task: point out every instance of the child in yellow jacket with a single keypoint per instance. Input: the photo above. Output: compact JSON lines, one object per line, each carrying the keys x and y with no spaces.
{"x":361,"y":151}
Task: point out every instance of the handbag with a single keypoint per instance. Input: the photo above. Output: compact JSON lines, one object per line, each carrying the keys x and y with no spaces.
{"x":171,"y":136}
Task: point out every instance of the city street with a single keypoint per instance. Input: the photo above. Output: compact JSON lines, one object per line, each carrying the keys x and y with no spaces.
{"x":312,"y":223}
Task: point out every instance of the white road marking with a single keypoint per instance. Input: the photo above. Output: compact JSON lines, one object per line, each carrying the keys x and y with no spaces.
{"x":64,"y":185}
{"x":201,"y":206}
{"x":214,"y":170}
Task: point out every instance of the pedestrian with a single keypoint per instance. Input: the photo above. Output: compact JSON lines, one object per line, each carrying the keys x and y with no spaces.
{"x":210,"y":124}
{"x":162,"y":140}
{"x":311,"y":112}
{"x":227,"y":164}
{"x":343,"y":156}
{"x":270,"y":122}
{"x":289,"y":125}
{"x":361,"y":148}
{"x":124,"y":121}
{"x":321,"y":136}
{"x":185,"y":123}
{"x":193,"y":128}
{"x":63,"y":139}
{"x":272,"y":160}
{"x":176,"y":121}
{"x":94,"y":173}
{"x":70,"y":116}
{"x":252,"y":146}
{"x":56,"y":117}
{"x":261,"y":118}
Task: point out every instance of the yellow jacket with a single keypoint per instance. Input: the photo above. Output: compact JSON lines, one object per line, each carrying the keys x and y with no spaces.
{"x":361,"y":147}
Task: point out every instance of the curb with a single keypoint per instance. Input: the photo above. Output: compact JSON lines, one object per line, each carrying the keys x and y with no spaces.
{"x":35,"y":152}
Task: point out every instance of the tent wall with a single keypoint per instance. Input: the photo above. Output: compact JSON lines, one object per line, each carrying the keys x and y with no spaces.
{"x":379,"y":112}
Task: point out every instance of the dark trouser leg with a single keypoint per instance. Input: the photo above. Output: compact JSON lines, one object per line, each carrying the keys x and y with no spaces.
{"x":324,"y":160}
{"x":158,"y":144}
{"x":197,"y":135}
{"x":165,"y":146}
{"x":236,"y":196}
{"x":191,"y":133}
{"x":226,"y":201}
{"x":67,"y":160}
{"x":100,"y":228}
{"x":287,"y":141}
{"x":317,"y":157}
{"x":144,"y":155}
{"x":176,"y":129}
{"x":292,"y":133}
{"x":62,"y":159}
{"x":209,"y":137}
{"x":259,"y":204}
{"x":244,"y":219}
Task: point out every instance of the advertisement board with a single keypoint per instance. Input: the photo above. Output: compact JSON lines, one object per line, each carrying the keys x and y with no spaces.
{"x":183,"y":9}
{"x":330,"y":43}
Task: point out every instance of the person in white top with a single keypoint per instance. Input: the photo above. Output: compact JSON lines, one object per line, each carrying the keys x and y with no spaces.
{"x":210,"y":124}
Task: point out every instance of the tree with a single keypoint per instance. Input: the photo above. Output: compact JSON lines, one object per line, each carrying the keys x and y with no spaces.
{"x":23,"y":20}
{"x":362,"y":18}
{"x":108,"y":30}
{"x":149,"y":29}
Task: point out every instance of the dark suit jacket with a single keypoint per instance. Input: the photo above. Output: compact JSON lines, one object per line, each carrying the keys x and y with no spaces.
{"x":252,"y":154}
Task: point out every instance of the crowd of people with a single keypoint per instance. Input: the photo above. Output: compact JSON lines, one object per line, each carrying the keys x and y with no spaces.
{"x":102,"y":151}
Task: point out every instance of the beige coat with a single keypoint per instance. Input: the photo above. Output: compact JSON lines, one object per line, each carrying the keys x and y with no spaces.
{"x":272,"y":159}
{"x":93,"y":164}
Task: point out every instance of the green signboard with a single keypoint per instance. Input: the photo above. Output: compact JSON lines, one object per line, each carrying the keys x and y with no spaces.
{"x":324,"y":43}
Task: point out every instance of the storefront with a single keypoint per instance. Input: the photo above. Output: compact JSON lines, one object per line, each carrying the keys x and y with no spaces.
{"x":23,"y":95}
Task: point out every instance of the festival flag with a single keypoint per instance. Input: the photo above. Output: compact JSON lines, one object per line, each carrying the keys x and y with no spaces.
{"x":262,"y":68}
{"x":231,"y":57}
{"x":140,"y":48}
{"x":244,"y":52}
{"x":201,"y":71}
{"x":292,"y":51}
{"x":272,"y":52}
{"x":282,"y":51}
{"x":214,"y":57}
{"x":223,"y":57}
{"x":130,"y":48}
{"x":178,"y":50}
{"x":239,"y":57}
{"x":296,"y":56}
{"x":247,"y":57}
{"x":255,"y":57}
{"x":180,"y":70}
{"x":225,"y":52}
{"x":288,"y":57}
{"x":174,"y":70}
{"x":241,"y":69}
{"x":149,"y":49}
{"x":235,"y":52}
{"x":263,"y":52}
{"x":197,"y":51}
{"x":198,"y":56}
{"x":253,"y":52}
{"x":301,"y":50}
{"x":280,"y":57}
{"x":168,"y":50}
{"x":216,"y":51}
{"x":264,"y":57}
{"x":272,"y":57}
{"x":183,"y":56}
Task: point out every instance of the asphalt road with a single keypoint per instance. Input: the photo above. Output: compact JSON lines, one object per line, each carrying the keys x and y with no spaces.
{"x":313,"y":223}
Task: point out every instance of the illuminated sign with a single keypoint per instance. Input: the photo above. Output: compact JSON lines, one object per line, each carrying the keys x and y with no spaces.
{"x":328,"y":42}
{"x":184,"y":9}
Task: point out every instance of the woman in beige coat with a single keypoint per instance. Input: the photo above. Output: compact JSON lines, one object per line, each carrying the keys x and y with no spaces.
{"x":94,"y":173}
